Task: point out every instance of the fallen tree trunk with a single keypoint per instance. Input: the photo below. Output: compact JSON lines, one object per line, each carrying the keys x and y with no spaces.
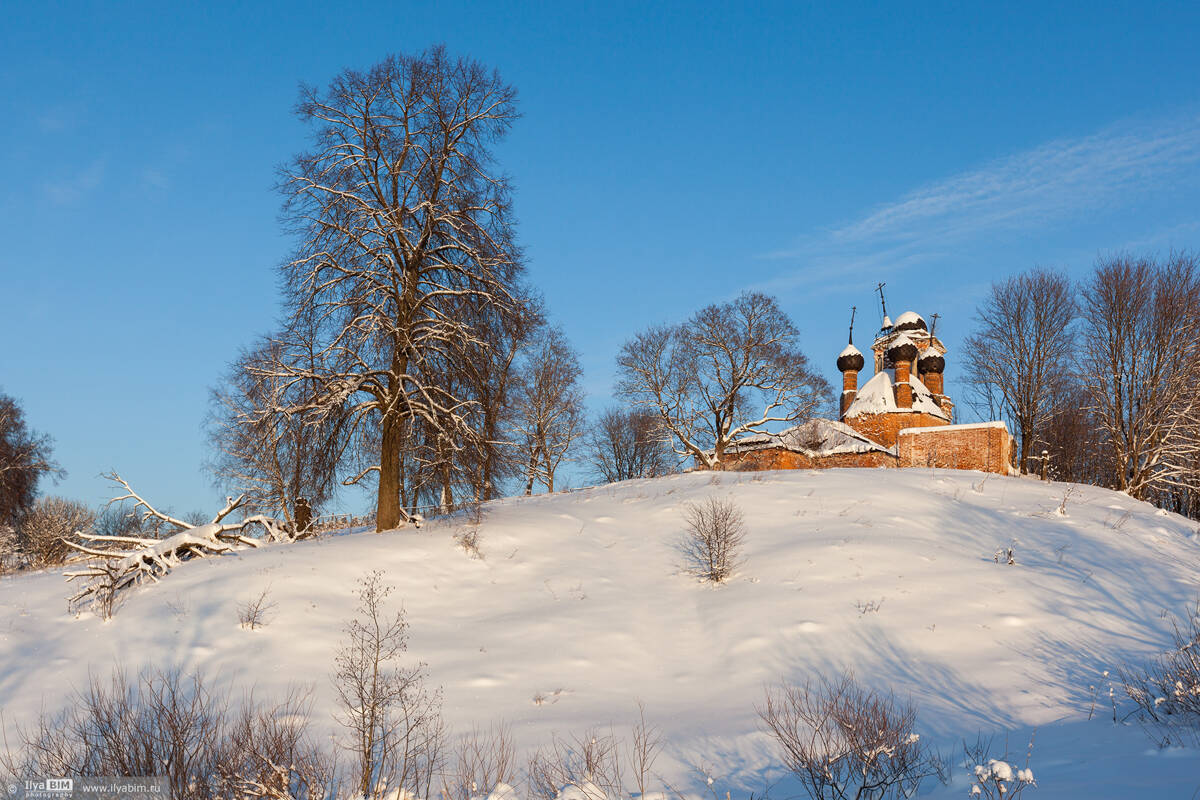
{"x":112,"y":564}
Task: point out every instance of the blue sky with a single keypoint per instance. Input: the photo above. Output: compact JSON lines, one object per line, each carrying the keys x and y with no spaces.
{"x":669,"y":156}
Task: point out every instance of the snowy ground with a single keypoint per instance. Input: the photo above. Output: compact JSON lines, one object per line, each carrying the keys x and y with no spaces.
{"x":580,"y":609}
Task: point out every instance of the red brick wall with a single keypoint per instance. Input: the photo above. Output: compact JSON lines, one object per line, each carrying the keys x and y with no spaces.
{"x":988,"y":449}
{"x":882,"y":428}
{"x":779,"y":458}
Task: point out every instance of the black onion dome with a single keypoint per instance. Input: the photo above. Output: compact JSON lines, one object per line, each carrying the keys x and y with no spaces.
{"x":910,"y":321}
{"x":903,"y":350}
{"x":932,"y":361}
{"x":850,"y":359}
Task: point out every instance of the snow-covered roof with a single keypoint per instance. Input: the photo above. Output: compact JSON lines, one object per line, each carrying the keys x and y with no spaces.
{"x":850,"y":350}
{"x":901,"y":339}
{"x":962,"y":427}
{"x":816,"y":437}
{"x":909,"y":317}
{"x":878,"y":396}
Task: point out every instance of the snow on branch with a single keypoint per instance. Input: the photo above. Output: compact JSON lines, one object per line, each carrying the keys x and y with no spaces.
{"x":109,"y":565}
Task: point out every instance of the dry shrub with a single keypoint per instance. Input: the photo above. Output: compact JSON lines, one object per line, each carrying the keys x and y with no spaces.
{"x":253,"y":612}
{"x":484,"y":759}
{"x":713,"y":541}
{"x":44,"y":529}
{"x":596,"y":765}
{"x":1167,"y":693}
{"x":841,"y":739}
{"x":165,"y":724}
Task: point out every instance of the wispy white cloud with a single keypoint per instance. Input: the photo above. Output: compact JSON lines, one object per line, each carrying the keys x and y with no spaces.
{"x":74,"y":186}
{"x":1051,"y":183}
{"x":153,"y":178}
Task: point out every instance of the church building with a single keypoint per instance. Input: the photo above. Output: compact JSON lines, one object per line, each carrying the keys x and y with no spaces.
{"x":901,"y":417}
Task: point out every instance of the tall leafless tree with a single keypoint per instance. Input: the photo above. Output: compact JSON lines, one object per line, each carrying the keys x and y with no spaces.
{"x":402,"y":217}
{"x":1021,"y":349}
{"x":1141,"y":366}
{"x":732,"y":369}
{"x":25,"y":457}
{"x":627,"y":443}
{"x":549,"y":407}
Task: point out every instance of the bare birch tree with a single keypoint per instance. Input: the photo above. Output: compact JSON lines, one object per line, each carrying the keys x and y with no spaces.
{"x":1141,"y":367}
{"x":402,"y":217}
{"x":732,"y":369}
{"x":549,"y":407}
{"x":1022,"y":347}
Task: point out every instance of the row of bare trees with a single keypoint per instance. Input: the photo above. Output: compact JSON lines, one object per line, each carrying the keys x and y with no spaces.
{"x":1104,"y":376}
{"x":413,"y":355}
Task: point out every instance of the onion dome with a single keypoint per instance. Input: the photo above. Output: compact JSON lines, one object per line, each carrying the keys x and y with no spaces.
{"x":902,"y":349}
{"x":932,"y":361}
{"x":910,"y":321}
{"x":850,"y":359}
{"x":887,"y":323}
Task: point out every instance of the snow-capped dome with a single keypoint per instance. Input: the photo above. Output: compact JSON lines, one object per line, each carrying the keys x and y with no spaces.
{"x":850,"y":359}
{"x":910,"y":321}
{"x":887,"y":322}
{"x":932,"y":361}
{"x":902,"y":348}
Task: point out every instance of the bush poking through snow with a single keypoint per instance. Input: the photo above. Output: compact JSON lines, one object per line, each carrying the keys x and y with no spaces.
{"x":841,"y":739}
{"x":253,"y":612}
{"x":468,"y":540}
{"x":596,"y":766}
{"x":1167,"y":693}
{"x":484,"y":759}
{"x":713,"y":542}
{"x":468,"y":536}
{"x":996,"y":778}
{"x":394,"y":726}
{"x":165,"y":724}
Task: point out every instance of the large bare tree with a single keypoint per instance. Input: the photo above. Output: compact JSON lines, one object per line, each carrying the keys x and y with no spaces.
{"x":549,"y":416}
{"x":1141,"y":367}
{"x":402,"y":217}
{"x":734,"y":368}
{"x":1021,"y":349}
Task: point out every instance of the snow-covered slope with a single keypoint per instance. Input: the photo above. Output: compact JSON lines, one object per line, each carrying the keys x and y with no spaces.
{"x":580,"y":608}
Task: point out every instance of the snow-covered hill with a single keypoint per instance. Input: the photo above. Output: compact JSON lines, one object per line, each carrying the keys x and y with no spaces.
{"x":580,"y":608}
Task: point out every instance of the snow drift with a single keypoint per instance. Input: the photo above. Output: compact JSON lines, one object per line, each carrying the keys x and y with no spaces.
{"x":581,"y":607}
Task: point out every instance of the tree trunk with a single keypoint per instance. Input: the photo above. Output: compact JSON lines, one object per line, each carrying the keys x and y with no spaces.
{"x":529,"y":472}
{"x":387,"y":504}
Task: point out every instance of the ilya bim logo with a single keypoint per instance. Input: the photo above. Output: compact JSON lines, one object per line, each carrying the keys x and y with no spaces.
{"x":51,"y":786}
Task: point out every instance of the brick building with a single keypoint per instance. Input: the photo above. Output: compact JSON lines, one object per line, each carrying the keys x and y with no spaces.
{"x":901,"y":417}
